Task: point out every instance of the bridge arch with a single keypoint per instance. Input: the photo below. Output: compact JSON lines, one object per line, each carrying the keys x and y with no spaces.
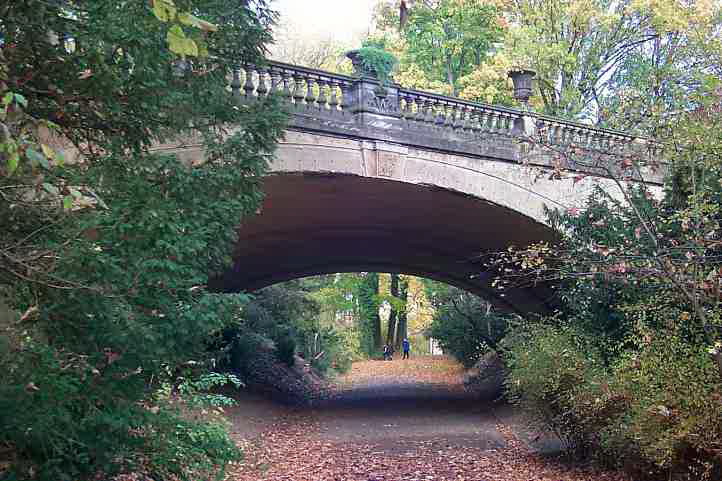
{"x":336,"y":204}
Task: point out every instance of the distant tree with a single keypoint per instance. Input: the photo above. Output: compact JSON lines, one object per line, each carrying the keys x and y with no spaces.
{"x":445,"y":39}
{"x":393,"y":315}
{"x":465,"y":325}
{"x":369,"y":316}
{"x":402,"y":328}
{"x":295,"y":46}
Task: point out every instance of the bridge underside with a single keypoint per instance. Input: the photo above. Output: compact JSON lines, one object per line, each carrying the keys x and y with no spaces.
{"x":324,"y":223}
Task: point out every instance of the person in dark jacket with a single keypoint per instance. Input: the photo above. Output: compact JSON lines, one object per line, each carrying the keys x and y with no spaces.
{"x":406,"y":345}
{"x":387,"y":353}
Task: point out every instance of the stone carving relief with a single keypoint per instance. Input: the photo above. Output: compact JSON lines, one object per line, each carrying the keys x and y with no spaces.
{"x":387,"y":163}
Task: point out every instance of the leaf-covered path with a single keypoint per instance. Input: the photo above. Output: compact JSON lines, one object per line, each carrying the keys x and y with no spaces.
{"x":399,"y":420}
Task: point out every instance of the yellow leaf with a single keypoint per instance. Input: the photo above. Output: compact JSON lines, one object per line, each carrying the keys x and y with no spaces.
{"x":176,"y":39}
{"x":164,"y":10}
{"x":193,"y":21}
{"x":49,"y":153}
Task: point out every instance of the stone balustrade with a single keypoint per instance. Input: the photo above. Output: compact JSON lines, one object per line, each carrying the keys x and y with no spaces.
{"x":363,"y":108}
{"x":304,"y":88}
{"x":442,"y":111}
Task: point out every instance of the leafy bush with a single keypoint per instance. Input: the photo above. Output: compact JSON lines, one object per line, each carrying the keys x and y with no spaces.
{"x":464,"y":324}
{"x":672,"y":417}
{"x":286,"y":349}
{"x":550,"y":366}
{"x":78,"y":423}
{"x":287,"y":317}
{"x":646,"y":414}
{"x":117,"y":303}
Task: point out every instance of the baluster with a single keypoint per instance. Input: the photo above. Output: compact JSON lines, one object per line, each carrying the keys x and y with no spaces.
{"x":461,"y":120}
{"x":582,"y":139}
{"x":275,"y":79}
{"x":593,"y":141}
{"x":422,"y":115}
{"x":333,"y":102}
{"x":411,"y":107}
{"x":577,"y":137}
{"x":483,"y":120}
{"x":310,"y":92}
{"x":476,"y":119}
{"x":441,"y":113}
{"x":563,"y":135}
{"x":248,"y":87}
{"x":236,"y":83}
{"x":261,"y":89}
{"x":604,"y":144}
{"x":543,"y":131}
{"x":451,"y":115}
{"x":501,"y":123}
{"x":345,"y":92}
{"x":298,"y":94}
{"x":322,"y":84}
{"x":508,"y":123}
{"x":555,"y":134}
{"x":286,"y":78}
{"x":428,"y":113}
{"x":494,"y":122}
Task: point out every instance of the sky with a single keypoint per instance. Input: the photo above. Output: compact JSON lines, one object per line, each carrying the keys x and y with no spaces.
{"x":340,"y":19}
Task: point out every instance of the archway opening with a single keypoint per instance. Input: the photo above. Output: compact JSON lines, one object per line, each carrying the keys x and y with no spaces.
{"x":313,"y":223}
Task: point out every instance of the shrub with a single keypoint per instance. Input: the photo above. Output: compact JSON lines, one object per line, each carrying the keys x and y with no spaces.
{"x":549,"y":366}
{"x":672,"y":421}
{"x":465,"y":326}
{"x":286,"y":349}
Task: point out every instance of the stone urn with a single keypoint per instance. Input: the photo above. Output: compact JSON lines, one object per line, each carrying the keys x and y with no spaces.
{"x":358,"y":67}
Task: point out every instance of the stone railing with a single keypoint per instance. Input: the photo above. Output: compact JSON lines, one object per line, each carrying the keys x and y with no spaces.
{"x":303,"y":87}
{"x":363,"y":108}
{"x":452,"y":113}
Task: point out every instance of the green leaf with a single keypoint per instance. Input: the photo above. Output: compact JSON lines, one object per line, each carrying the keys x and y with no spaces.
{"x":68,"y":202}
{"x":13,"y":161}
{"x":21,"y":100}
{"x":60,"y":158}
{"x":50,"y":188}
{"x":8,"y":98}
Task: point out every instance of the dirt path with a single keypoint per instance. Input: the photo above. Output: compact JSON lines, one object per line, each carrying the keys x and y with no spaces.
{"x":390,"y":421}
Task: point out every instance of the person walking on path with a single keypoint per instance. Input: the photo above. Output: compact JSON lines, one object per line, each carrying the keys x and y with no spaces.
{"x":407,"y":347}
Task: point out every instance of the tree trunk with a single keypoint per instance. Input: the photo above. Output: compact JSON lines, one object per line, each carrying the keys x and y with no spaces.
{"x":402,"y":325}
{"x":375,"y":316}
{"x":391,"y":334}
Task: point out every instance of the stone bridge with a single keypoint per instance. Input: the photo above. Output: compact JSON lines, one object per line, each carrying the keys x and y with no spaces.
{"x":387,"y":179}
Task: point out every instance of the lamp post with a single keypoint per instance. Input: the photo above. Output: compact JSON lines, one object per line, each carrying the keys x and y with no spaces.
{"x":522,"y":80}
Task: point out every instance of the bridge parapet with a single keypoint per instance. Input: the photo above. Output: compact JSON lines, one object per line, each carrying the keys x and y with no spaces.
{"x":363,"y":108}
